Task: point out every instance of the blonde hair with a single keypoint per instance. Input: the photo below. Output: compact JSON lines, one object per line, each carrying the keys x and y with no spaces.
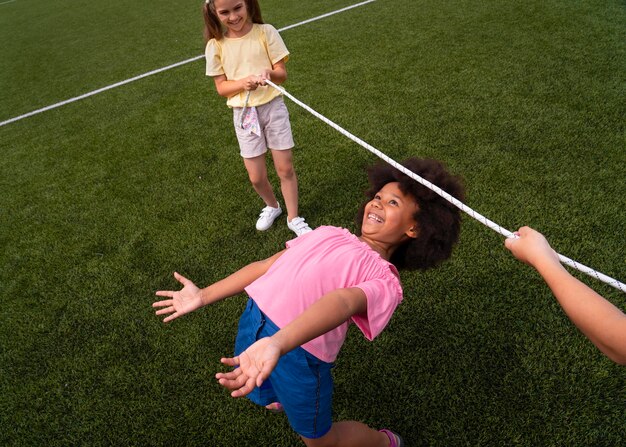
{"x":212,"y":25}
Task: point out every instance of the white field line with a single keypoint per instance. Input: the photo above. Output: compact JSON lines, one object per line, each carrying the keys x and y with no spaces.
{"x":159,"y":70}
{"x":4,"y":3}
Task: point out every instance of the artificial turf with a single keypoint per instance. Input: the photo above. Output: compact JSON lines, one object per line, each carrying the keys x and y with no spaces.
{"x":103,"y":198}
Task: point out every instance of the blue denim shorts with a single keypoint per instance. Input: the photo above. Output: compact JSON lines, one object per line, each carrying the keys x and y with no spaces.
{"x":301,"y":382}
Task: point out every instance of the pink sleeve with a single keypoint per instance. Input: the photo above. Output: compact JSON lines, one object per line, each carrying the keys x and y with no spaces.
{"x":383,"y":296}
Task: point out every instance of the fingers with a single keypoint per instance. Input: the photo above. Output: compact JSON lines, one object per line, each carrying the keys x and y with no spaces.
{"x":232,"y":381}
{"x":508,"y":242}
{"x":230,"y":361}
{"x":168,"y":293}
{"x":163,"y":303}
{"x":236,"y":381}
{"x":170,"y":318}
{"x":166,"y":310}
{"x":181,"y":279}
{"x":232,"y":375}
{"x":244,"y":390}
{"x":264,"y":374}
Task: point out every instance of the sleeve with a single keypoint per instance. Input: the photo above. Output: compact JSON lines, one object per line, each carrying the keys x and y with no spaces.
{"x":276,"y":48}
{"x":383,"y":297}
{"x":213,"y":56}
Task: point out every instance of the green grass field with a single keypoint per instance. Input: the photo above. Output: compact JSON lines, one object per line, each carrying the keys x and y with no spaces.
{"x":103,"y":198}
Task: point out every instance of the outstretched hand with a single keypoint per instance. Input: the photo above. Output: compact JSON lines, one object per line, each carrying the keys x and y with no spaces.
{"x":182,"y":302}
{"x":255,"y":365}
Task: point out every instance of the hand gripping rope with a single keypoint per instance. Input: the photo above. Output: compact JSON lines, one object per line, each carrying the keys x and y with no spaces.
{"x":480,"y":218}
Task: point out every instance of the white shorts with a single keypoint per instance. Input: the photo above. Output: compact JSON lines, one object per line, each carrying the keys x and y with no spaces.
{"x":275,"y":129}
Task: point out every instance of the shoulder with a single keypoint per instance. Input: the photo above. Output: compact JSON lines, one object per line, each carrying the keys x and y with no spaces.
{"x":213,"y":45}
{"x":330,"y":231}
{"x":267,"y":30}
{"x":266,"y":27}
{"x":318,"y":236}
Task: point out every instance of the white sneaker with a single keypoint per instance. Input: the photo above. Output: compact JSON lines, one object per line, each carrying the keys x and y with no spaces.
{"x":298,"y":226}
{"x":267,"y":217}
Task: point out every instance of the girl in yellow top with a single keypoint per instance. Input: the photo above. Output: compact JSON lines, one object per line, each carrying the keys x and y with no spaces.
{"x":241,"y":53}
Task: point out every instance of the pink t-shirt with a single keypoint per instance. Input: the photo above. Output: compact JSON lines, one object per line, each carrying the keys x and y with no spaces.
{"x":317,"y":263}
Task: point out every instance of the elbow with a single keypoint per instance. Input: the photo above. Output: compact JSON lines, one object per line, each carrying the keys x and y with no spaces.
{"x":279,"y":76}
{"x":619,"y":358}
{"x":222,"y":89}
{"x":615,"y":353}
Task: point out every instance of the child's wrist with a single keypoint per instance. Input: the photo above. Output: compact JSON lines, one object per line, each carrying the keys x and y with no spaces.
{"x":278,"y":340}
{"x":204,"y":296}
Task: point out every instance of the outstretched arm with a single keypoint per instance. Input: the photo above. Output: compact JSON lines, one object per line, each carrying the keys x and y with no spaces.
{"x":602,"y":322}
{"x":259,"y":360}
{"x":190,"y":297}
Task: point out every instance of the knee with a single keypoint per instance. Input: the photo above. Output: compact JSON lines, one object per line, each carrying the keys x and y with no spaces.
{"x":285,"y":172}
{"x":258,"y":181}
{"x":320,"y":442}
{"x":328,"y":440}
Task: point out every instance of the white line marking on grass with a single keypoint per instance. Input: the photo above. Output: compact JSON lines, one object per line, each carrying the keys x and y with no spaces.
{"x":4,"y":3}
{"x":100,"y":90}
{"x":159,"y":70}
{"x":323,"y":16}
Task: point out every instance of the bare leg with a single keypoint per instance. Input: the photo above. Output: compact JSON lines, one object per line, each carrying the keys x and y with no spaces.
{"x":350,"y":434}
{"x":283,"y":162}
{"x":257,"y":173}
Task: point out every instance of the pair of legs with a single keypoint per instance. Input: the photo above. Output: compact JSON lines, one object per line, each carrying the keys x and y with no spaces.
{"x":283,"y":163}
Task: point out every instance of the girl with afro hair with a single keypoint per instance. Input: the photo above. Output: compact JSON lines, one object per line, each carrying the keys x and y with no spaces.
{"x":303,"y":298}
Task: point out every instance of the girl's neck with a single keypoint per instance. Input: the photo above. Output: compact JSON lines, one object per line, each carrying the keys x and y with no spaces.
{"x":384,"y":250}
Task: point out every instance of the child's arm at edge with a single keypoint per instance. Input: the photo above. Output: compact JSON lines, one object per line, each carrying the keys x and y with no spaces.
{"x":228,"y":88}
{"x":259,"y":360}
{"x":191,"y":297}
{"x":602,"y":322}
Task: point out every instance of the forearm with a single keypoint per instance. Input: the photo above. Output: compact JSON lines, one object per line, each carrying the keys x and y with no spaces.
{"x":278,"y":74}
{"x":602,"y":322}
{"x":327,"y":313}
{"x":237,"y":282}
{"x":230,"y":88}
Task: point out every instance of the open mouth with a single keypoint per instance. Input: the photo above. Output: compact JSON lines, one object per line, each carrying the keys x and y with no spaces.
{"x":375,"y":218}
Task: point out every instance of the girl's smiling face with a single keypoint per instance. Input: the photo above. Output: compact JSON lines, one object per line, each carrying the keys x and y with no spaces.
{"x":388,"y":219}
{"x":233,"y":14}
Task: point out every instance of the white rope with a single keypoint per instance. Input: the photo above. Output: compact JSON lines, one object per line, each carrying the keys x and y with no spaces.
{"x":479,"y":217}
